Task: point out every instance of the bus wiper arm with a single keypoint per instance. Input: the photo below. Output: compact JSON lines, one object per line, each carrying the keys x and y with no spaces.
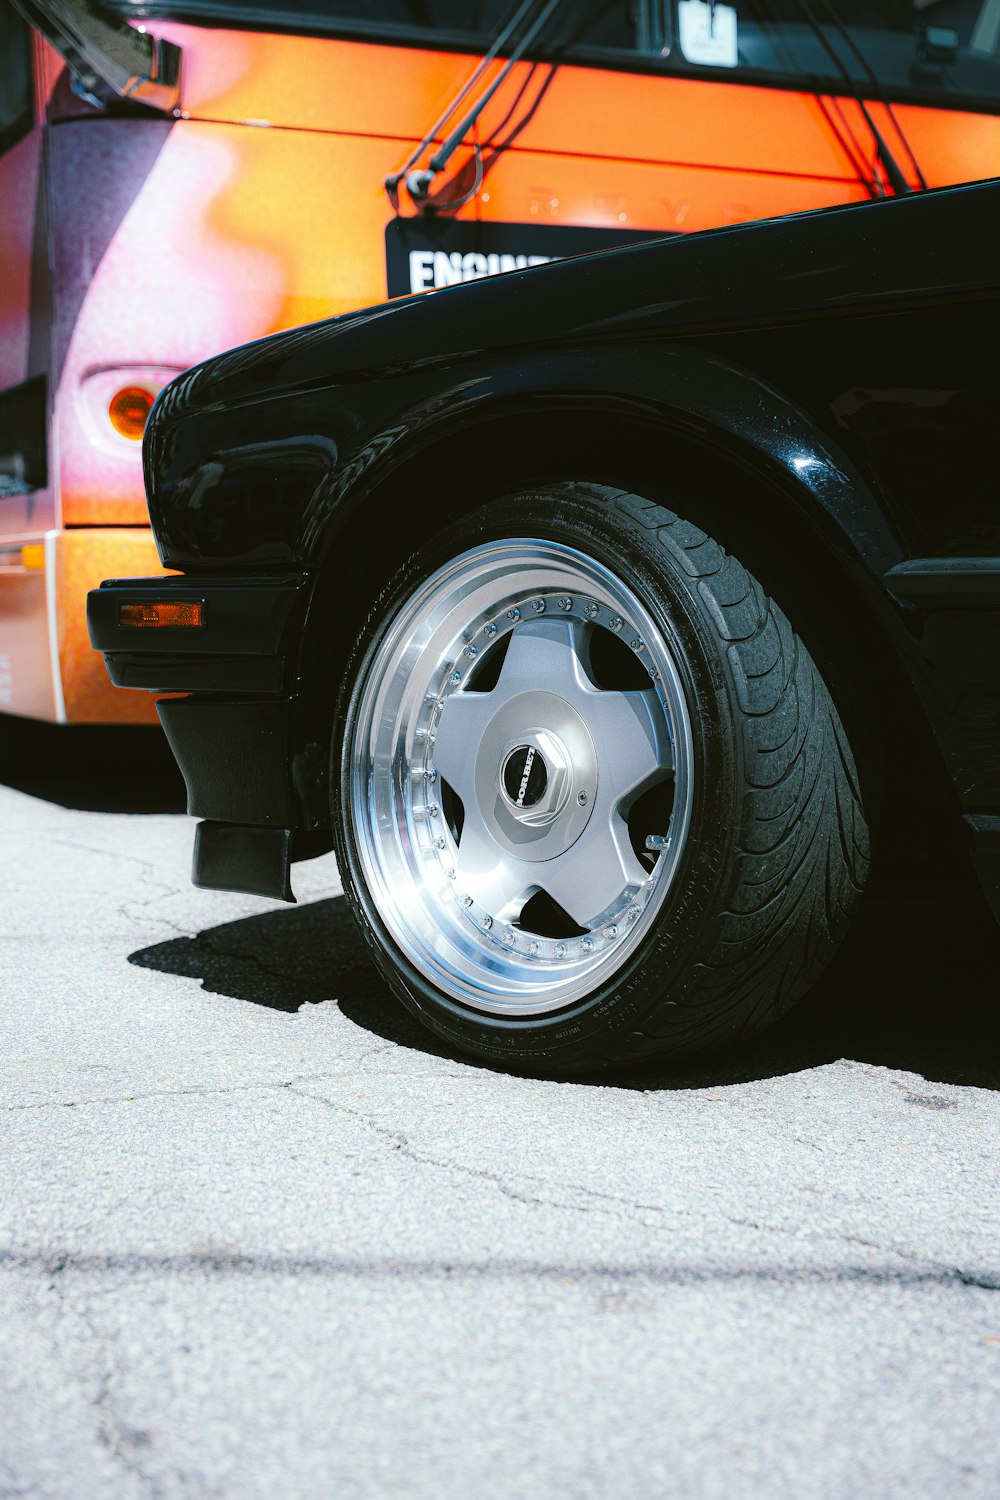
{"x":888,"y":160}
{"x":101,"y":49}
{"x":893,"y":171}
{"x":419,"y":183}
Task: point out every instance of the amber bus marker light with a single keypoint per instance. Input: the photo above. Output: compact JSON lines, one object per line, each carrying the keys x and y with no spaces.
{"x":186,"y":612}
{"x":129,"y":409}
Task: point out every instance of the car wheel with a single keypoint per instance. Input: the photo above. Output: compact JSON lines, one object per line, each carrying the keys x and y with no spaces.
{"x":593,"y":802}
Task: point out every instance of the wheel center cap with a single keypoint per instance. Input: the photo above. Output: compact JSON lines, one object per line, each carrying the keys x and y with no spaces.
{"x":524,"y":776}
{"x":536,"y":775}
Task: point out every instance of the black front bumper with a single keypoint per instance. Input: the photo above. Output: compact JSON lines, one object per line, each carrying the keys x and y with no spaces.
{"x":241,"y":647}
{"x":252,"y":773}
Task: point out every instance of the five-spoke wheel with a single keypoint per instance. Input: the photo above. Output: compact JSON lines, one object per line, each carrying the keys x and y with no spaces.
{"x":592,"y":799}
{"x":522,"y":775}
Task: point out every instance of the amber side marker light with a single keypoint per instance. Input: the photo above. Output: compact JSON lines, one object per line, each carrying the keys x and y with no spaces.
{"x":186,"y":612}
{"x":129,"y":409}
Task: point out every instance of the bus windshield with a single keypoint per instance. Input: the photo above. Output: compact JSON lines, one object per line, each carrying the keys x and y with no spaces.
{"x":941,"y":51}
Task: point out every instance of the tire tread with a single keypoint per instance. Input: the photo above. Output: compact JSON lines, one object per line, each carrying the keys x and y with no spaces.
{"x":802,"y":857}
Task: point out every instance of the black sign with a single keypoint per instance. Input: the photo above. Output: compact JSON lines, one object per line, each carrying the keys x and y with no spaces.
{"x":421,"y":254}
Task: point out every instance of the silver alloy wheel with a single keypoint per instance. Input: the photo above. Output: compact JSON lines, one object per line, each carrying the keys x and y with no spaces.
{"x":475,"y":786}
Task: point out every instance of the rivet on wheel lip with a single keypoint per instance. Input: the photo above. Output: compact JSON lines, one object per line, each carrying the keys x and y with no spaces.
{"x":430,"y":775}
{"x":611,"y":931}
{"x":455,"y":677}
{"x":491,"y":629}
{"x":466,"y":900}
{"x":471,"y":651}
{"x":487,"y":921}
{"x":637,"y":644}
{"x":616,"y":622}
{"x":439,"y":843}
{"x":587,"y":945}
{"x":538,"y":605}
{"x":509,"y":937}
{"x":533,"y":946}
{"x":592,"y":610}
{"x":513,"y":614}
{"x":433,"y":810}
{"x":565,"y":602}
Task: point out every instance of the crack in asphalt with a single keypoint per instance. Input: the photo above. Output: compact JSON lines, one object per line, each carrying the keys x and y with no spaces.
{"x":117,"y":1440}
{"x":146,"y":865}
{"x":196,"y":1090}
{"x":397,"y":1141}
{"x":94,"y":1367}
{"x":603,"y":1203}
{"x":165,"y":893}
{"x":558,"y":1195}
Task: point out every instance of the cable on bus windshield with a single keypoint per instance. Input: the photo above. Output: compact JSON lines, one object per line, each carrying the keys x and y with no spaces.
{"x":507,"y":29}
{"x":844,"y":33}
{"x":893,"y":171}
{"x":419,"y":183}
{"x":485,"y":153}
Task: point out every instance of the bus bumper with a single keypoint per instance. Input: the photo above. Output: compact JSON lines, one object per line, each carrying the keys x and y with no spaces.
{"x":47,"y":668}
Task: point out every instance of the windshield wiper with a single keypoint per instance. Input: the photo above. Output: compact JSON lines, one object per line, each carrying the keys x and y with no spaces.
{"x":419,"y":183}
{"x":889,"y":161}
{"x":890,"y":166}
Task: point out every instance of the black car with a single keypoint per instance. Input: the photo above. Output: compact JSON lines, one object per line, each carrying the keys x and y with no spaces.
{"x":603,"y":617}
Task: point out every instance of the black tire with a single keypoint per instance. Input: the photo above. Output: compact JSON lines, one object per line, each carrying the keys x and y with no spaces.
{"x":777,"y":850}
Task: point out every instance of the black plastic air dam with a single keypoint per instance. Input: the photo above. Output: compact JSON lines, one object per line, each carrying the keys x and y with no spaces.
{"x":231,"y":857}
{"x":234,"y":758}
{"x":984,"y":829}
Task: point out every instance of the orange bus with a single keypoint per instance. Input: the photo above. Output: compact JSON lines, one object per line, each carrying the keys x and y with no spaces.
{"x":179,"y":176}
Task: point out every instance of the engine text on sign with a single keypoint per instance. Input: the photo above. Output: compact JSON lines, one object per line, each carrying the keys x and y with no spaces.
{"x":435,"y":268}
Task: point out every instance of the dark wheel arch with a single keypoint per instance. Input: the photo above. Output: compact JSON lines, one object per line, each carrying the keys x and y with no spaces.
{"x":757,"y":512}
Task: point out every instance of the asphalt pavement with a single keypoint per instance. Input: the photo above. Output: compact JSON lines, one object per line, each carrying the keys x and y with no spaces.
{"x":261,"y":1236}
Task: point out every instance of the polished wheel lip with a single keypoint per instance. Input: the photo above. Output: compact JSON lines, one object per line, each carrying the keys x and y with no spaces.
{"x":407,"y":851}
